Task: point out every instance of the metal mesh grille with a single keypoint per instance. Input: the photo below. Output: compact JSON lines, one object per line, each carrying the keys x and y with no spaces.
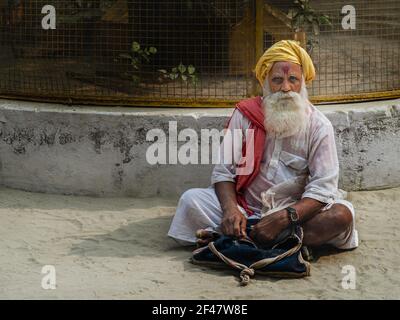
{"x":363,"y":60}
{"x":187,"y":52}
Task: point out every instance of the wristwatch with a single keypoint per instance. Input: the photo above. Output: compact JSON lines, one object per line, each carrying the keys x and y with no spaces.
{"x":293,"y":216}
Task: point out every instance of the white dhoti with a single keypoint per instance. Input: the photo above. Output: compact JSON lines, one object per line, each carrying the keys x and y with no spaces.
{"x":199,"y":208}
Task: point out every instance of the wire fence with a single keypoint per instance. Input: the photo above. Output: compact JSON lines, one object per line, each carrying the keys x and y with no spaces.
{"x":191,"y":53}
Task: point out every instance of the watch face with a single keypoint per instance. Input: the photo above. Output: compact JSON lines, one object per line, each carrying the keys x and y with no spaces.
{"x":293,"y":214}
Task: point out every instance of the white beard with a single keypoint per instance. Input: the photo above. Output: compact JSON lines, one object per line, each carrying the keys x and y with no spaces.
{"x":285,"y":113}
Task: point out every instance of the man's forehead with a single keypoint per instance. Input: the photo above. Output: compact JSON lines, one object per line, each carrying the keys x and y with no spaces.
{"x":285,"y":67}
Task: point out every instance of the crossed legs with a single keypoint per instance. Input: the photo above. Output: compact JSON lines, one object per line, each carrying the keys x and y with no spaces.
{"x":199,"y":208}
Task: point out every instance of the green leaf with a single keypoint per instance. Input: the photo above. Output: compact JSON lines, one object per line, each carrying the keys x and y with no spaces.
{"x":163,"y":71}
{"x":194,"y":78}
{"x":184,"y":78}
{"x":152,"y":50}
{"x":181,"y":68}
{"x":135,"y":46}
{"x":135,"y":63}
{"x":175,"y":70}
{"x":191,"y":69}
{"x":324,"y":20}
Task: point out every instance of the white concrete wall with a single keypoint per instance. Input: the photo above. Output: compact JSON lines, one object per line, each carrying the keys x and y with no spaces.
{"x":101,"y":150}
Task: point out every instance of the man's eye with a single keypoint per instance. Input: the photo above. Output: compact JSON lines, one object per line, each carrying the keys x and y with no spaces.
{"x":277,"y":80}
{"x":293,"y":79}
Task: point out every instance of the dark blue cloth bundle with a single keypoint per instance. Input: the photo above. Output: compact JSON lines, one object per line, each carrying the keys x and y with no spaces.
{"x":281,"y":259}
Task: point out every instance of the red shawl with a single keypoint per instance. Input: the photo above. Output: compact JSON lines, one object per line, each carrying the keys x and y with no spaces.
{"x":252,"y":109}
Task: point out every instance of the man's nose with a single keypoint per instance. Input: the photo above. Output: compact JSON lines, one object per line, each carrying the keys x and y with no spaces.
{"x":285,"y":86}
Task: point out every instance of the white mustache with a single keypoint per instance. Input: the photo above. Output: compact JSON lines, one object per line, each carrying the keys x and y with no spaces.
{"x":285,"y":95}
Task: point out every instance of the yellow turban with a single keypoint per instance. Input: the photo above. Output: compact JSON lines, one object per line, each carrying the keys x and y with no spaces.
{"x":285,"y":50}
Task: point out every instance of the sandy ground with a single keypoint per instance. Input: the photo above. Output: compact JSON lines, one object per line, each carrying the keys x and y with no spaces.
{"x":118,"y":249}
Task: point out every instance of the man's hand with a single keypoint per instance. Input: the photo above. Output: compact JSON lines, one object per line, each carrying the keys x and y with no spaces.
{"x":270,"y":227}
{"x":234,"y":223}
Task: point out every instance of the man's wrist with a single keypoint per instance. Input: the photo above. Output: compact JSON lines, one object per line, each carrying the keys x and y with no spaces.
{"x":293,"y":216}
{"x":231,"y":208}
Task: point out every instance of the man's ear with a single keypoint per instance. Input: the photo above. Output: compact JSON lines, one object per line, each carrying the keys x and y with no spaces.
{"x":266,"y":88}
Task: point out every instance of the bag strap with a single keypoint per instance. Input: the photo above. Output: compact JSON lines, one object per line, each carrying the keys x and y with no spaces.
{"x":247,"y":272}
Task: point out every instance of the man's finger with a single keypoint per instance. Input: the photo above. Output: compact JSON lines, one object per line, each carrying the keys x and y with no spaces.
{"x":233,"y":226}
{"x":243,"y":227}
{"x":237,"y":228}
{"x":227,"y":228}
{"x":223,"y":228}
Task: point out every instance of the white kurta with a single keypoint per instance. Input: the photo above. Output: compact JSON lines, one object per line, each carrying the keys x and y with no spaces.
{"x":303,"y":165}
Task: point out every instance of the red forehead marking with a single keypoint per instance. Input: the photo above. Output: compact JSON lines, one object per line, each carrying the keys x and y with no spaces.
{"x":285,"y":68}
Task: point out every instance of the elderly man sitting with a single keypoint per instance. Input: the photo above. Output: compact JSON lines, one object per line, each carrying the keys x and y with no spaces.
{"x":294,"y":179}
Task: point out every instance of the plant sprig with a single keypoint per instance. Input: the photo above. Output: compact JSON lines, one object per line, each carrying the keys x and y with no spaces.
{"x":181,"y":72}
{"x":304,"y":16}
{"x":138,"y":57}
